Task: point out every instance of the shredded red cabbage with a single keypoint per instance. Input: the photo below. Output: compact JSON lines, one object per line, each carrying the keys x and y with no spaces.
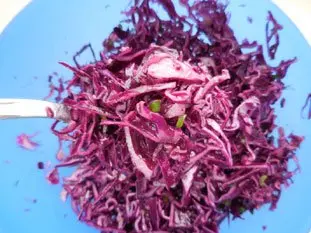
{"x":26,"y":142}
{"x":58,"y":88}
{"x":173,"y":134}
{"x":53,"y":176}
{"x":308,"y":102}
{"x":272,"y":35}
{"x":40,"y":165}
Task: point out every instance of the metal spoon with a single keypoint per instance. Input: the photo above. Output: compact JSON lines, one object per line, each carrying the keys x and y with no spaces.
{"x":28,"y":108}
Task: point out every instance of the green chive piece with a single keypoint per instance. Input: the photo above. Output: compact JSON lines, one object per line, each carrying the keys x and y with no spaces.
{"x":166,"y":200}
{"x":227,"y":203}
{"x":242,"y":209}
{"x":110,"y":43}
{"x":262,"y":180}
{"x":155,"y":106}
{"x":275,"y":76}
{"x":180,"y":121}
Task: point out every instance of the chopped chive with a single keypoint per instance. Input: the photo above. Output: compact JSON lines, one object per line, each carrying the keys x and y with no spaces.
{"x":242,"y":209}
{"x":275,"y":76}
{"x":227,"y":203}
{"x":180,"y":121}
{"x":165,"y":199}
{"x":262,"y":180}
{"x":110,"y":43}
{"x":155,"y":106}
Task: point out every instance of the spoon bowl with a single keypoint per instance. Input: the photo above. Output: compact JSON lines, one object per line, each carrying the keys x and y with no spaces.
{"x":29,"y":108}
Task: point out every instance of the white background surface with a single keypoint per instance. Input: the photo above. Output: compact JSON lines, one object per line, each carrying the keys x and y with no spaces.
{"x":298,"y":10}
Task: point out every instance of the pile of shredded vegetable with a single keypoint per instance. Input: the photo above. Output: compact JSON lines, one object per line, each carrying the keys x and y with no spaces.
{"x":170,"y":133}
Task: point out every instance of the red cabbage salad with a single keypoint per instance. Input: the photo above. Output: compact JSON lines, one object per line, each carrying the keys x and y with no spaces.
{"x":169,"y":132}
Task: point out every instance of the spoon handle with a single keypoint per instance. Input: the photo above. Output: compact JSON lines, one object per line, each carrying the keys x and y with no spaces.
{"x":28,"y":108}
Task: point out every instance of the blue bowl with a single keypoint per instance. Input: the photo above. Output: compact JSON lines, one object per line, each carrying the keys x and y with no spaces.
{"x":46,"y":32}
